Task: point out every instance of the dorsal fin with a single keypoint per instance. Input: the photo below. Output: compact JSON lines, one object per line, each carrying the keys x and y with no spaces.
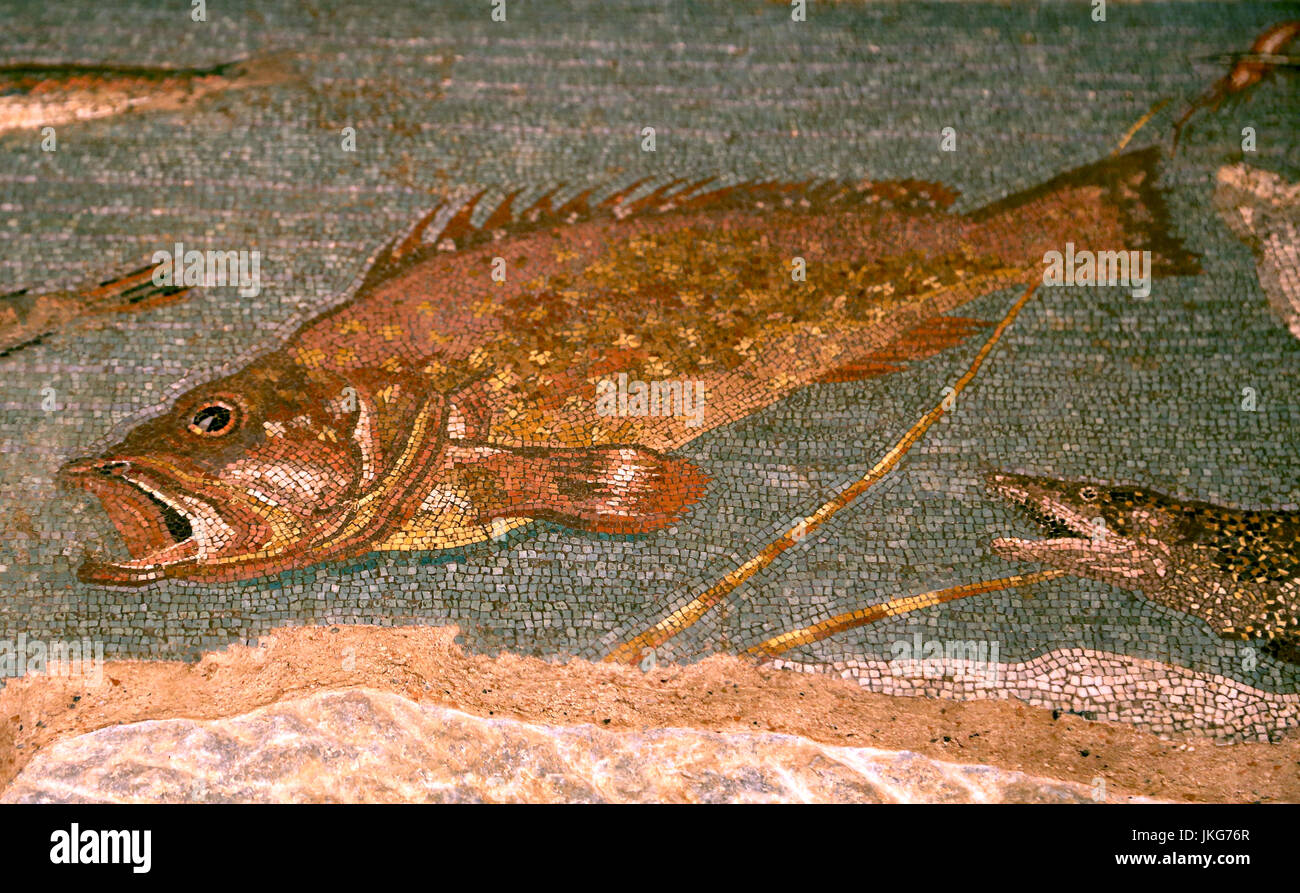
{"x":458,"y":231}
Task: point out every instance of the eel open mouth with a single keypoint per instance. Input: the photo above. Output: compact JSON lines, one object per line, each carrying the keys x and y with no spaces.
{"x":1071,"y":530}
{"x":157,"y":528}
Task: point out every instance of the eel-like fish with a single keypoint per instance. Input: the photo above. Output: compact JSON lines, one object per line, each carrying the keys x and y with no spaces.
{"x":1236,"y":569}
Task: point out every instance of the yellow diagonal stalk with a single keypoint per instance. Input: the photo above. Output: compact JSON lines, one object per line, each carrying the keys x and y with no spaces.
{"x":893,"y":608}
{"x":632,"y":650}
{"x":1138,"y":125}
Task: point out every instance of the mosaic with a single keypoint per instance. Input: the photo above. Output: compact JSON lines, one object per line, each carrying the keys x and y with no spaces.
{"x":752,"y":330}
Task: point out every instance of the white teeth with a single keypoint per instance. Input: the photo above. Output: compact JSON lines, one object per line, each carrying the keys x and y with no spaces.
{"x":160,"y":496}
{"x":210,"y":532}
{"x":1090,"y":536}
{"x":1067,"y":517}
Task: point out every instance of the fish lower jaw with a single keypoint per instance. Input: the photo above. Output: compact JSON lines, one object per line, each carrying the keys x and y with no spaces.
{"x":136,"y":572}
{"x":185,"y":550}
{"x":202,"y":530}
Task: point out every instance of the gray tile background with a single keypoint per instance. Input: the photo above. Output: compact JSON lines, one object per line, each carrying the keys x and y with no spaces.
{"x":1089,"y":382}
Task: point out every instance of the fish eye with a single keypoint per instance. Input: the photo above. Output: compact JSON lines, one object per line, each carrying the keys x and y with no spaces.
{"x":213,"y":419}
{"x":1088,"y":494}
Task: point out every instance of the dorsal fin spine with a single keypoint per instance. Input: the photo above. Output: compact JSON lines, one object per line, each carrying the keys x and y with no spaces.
{"x":459,"y":224}
{"x":416,"y":235}
{"x":503,"y":215}
{"x":676,"y":194}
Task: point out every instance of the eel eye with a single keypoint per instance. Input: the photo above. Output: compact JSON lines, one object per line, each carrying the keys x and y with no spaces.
{"x":1088,"y":494}
{"x":213,"y":420}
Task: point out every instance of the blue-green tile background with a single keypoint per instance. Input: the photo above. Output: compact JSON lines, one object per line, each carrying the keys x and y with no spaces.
{"x":1087,"y":383}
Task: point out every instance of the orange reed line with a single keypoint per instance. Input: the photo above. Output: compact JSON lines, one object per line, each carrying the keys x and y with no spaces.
{"x":631,"y":651}
{"x":893,"y":608}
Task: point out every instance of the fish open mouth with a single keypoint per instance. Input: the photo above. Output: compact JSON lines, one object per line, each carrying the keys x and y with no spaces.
{"x":177,"y":522}
{"x":159,"y":529}
{"x":1070,"y":531}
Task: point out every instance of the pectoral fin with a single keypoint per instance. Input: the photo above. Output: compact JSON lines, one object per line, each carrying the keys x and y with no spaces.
{"x":917,"y":343}
{"x":620,"y":490}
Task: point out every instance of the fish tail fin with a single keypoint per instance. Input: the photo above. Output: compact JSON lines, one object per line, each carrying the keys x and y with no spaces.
{"x":265,"y":68}
{"x":1109,"y":205}
{"x":130,"y":292}
{"x":617,"y":490}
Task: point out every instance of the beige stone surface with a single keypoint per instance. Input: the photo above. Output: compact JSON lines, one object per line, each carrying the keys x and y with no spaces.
{"x":721,"y":694}
{"x":368,"y":746}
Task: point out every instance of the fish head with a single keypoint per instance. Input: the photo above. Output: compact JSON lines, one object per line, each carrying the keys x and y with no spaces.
{"x":241,"y":476}
{"x":281,"y":466}
{"x":1122,"y":535}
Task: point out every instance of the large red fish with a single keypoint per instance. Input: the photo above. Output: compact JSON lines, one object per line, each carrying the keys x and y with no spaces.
{"x":440,"y":406}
